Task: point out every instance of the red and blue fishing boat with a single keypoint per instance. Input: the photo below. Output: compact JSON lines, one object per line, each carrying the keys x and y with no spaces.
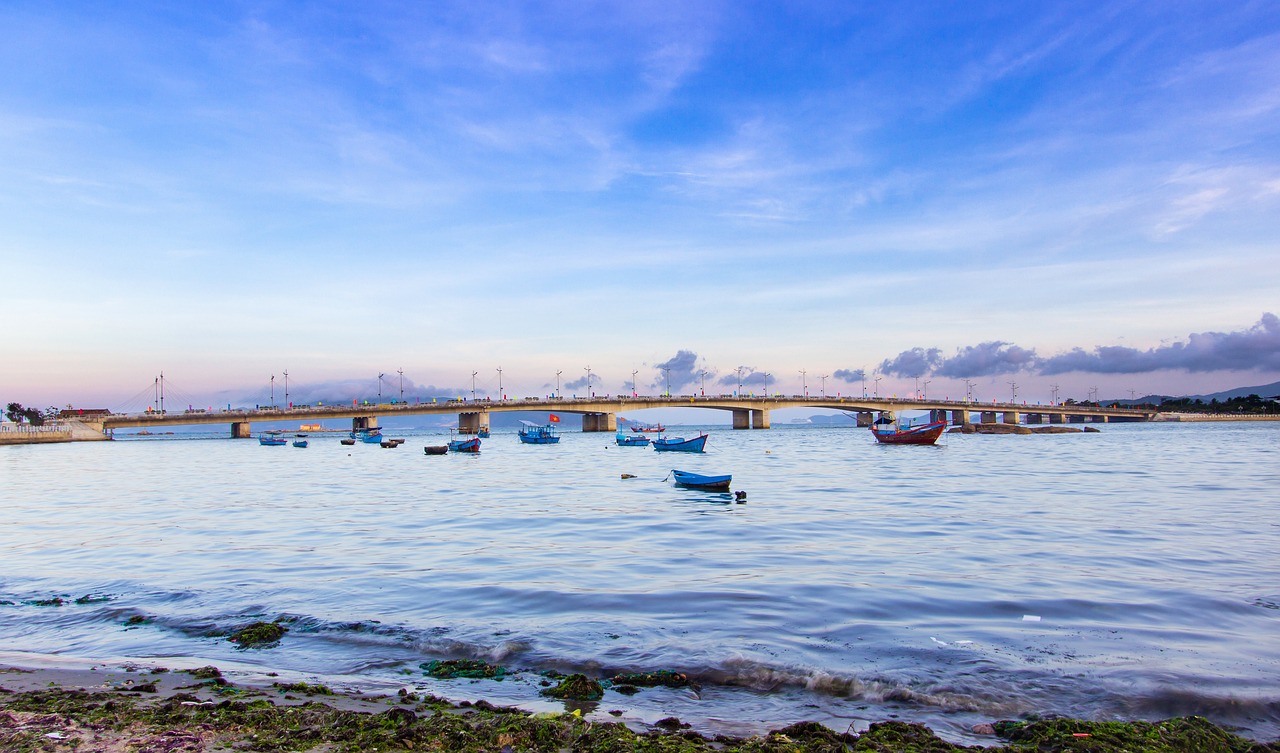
{"x":463,"y":445}
{"x":532,"y":433}
{"x":657,"y":428}
{"x":680,"y":444}
{"x":887,"y":430}
{"x":272,"y":440}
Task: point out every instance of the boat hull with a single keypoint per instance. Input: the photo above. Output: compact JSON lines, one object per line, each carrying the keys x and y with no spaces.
{"x":440,"y":449}
{"x":633,"y":441}
{"x":698,"y":481}
{"x":679,"y":444}
{"x":922,"y":434}
{"x":465,"y":445}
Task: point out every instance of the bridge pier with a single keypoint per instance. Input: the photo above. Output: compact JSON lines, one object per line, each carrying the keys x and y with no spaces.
{"x":360,"y":423}
{"x":988,"y":417}
{"x":741,"y":419}
{"x":473,"y":422}
{"x":865,"y":419}
{"x":1011,"y":417}
{"x":594,"y":422}
{"x":1100,"y":419}
{"x":1035,"y":418}
{"x":1057,"y":418}
{"x":240,"y":430}
{"x":959,"y":417}
{"x":759,"y":419}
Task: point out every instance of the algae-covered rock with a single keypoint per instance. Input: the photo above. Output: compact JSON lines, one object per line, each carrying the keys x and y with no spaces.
{"x":259,"y":635}
{"x":576,"y":688}
{"x":661,"y":678}
{"x":468,"y":668}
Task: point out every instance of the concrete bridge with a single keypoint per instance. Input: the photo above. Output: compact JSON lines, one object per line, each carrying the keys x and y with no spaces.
{"x":599,"y":414}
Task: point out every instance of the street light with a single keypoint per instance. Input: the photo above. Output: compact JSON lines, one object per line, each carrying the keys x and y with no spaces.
{"x":766,"y":384}
{"x":968,"y":390}
{"x":877,"y":387}
{"x":667,"y":370}
{"x":273,"y":390}
{"x":740,"y":368}
{"x":380,"y":376}
{"x":501,"y":395}
{"x":634,"y":393}
{"x":1013,"y":388}
{"x":399,"y":371}
{"x":558,"y":373}
{"x":286,"y":388}
{"x":473,"y":386}
{"x":1054,"y":390}
{"x":804,"y":386}
{"x":588,"y":381}
{"x":824,"y":385}
{"x":703,"y":374}
{"x":924,"y":395}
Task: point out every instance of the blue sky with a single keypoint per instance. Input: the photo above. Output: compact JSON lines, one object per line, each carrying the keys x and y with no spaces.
{"x":1047,"y":193}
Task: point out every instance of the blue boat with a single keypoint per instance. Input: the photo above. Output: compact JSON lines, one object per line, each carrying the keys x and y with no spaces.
{"x":368,"y":436}
{"x":698,"y":481}
{"x":634,"y":440}
{"x":301,"y":441}
{"x":534,"y":434}
{"x":483,"y":433}
{"x":680,"y":444}
{"x":271,"y":440}
{"x":464,"y":445}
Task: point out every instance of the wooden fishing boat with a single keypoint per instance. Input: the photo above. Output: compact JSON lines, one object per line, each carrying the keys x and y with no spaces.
{"x":299,"y":443}
{"x":368,"y":436}
{"x":347,"y":441}
{"x":532,"y":433}
{"x":887,"y":430}
{"x":699,"y":481}
{"x":658,"y":428}
{"x":272,"y":440}
{"x":633,"y":441}
{"x":680,"y":444}
{"x":436,"y":449}
{"x":464,"y":445}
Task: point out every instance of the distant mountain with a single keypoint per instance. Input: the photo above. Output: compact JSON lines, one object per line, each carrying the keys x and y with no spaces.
{"x":1263,"y":390}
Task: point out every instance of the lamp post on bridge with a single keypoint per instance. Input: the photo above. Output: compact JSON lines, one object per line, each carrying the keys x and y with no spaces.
{"x":286,"y":388}
{"x":273,"y":390}
{"x":864,"y":389}
{"x":501,"y":395}
{"x":740,"y":368}
{"x":703,"y":375}
{"x":558,"y":373}
{"x":667,"y":371}
{"x":766,"y":384}
{"x":968,"y":390}
{"x":400,"y":371}
{"x":1013,"y":388}
{"x":924,"y":394}
{"x":473,"y":385}
{"x":634,"y":393}
{"x":1053,"y":390}
{"x":588,"y":381}
{"x":804,"y":385}
{"x":380,"y":376}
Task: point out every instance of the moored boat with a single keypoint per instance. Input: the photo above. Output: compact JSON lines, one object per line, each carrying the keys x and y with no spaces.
{"x":680,"y":444}
{"x":657,"y":428}
{"x":633,"y":441}
{"x":299,"y":442}
{"x":272,"y":440}
{"x":699,"y":481}
{"x":464,"y":445}
{"x":368,"y":436}
{"x":436,"y":449}
{"x":888,"y":430}
{"x":532,"y":433}
{"x":347,"y":441}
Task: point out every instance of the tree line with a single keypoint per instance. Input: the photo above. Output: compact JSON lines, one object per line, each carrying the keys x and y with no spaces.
{"x":18,"y":414}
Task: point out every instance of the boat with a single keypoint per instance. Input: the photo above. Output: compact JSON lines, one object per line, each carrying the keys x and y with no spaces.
{"x":887,"y":430}
{"x":436,"y":449}
{"x":656,"y":428}
{"x":272,"y":440}
{"x":698,"y":481}
{"x":483,"y":433}
{"x":464,"y":445}
{"x":300,"y":442}
{"x":680,"y":444}
{"x":390,"y":443}
{"x":368,"y":436}
{"x":634,"y":441}
{"x":347,"y":441}
{"x":533,"y":433}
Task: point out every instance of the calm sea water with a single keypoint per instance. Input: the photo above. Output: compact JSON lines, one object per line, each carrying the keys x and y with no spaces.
{"x":1131,"y":573}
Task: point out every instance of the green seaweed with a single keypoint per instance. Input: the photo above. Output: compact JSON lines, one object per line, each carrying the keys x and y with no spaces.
{"x":466,"y":668}
{"x":576,"y":688}
{"x":259,"y":635}
{"x":661,"y":678}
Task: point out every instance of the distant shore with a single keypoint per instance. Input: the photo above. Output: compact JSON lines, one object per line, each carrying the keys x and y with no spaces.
{"x":135,"y":707}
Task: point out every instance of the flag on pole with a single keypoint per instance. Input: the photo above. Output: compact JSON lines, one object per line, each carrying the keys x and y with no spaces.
{"x":555,"y":419}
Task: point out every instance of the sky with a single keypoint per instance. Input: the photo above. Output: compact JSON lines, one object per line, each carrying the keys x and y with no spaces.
{"x":1001,"y":198}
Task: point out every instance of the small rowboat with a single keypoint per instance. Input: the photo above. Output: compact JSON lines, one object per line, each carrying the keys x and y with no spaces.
{"x":887,"y":430}
{"x":347,"y":441}
{"x":299,"y":443}
{"x":631,"y":441}
{"x":680,"y":444}
{"x":698,"y":481}
{"x":437,"y":449}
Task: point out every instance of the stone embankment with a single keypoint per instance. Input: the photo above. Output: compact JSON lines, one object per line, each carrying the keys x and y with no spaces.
{"x":62,"y":431}
{"x":1018,"y":429}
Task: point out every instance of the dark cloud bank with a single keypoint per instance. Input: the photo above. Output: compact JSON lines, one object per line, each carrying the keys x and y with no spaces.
{"x":1254,"y":349}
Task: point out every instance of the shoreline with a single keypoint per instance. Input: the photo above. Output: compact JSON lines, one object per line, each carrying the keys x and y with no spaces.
{"x":133,"y":706}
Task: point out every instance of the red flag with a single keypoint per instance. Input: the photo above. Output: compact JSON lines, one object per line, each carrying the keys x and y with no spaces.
{"x":555,"y":419}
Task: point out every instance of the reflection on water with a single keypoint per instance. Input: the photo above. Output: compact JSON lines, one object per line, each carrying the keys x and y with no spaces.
{"x":853,"y":582}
